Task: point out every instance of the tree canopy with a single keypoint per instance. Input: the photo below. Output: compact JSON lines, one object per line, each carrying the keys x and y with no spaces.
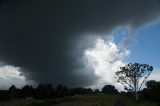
{"x":133,"y":76}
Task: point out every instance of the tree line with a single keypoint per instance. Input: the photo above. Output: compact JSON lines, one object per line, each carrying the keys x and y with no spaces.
{"x":47,"y":91}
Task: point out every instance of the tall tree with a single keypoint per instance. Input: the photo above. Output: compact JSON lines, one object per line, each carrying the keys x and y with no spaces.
{"x":12,"y":91}
{"x":133,"y":76}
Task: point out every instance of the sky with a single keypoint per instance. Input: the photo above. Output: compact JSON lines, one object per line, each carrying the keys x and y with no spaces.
{"x":76,"y":43}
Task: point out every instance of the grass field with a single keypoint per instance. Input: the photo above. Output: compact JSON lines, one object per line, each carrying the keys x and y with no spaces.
{"x":81,"y":100}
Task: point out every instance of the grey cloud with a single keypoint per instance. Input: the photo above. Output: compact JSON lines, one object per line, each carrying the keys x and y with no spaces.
{"x":45,"y":37}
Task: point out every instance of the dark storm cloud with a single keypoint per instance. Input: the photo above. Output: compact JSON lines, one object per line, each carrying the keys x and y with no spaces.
{"x":45,"y":37}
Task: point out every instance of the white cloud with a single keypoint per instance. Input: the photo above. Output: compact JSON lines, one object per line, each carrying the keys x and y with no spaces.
{"x":11,"y":75}
{"x":106,"y":58}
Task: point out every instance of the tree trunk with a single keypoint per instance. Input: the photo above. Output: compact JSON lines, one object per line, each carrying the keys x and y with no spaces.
{"x":136,"y":96}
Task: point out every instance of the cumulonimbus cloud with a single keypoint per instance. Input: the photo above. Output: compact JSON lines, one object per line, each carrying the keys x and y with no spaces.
{"x":48,"y":38}
{"x":106,"y":58}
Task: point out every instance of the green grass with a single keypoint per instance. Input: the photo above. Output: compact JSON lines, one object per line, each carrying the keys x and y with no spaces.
{"x":81,"y":100}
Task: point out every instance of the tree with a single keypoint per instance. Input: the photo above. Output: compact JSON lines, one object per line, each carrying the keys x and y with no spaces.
{"x":27,"y":91}
{"x":61,"y":91}
{"x":49,"y":90}
{"x":44,"y":91}
{"x":96,"y":91}
{"x":12,"y":91}
{"x":153,"y":90}
{"x":133,"y":76}
{"x":109,"y":89}
{"x":152,"y":84}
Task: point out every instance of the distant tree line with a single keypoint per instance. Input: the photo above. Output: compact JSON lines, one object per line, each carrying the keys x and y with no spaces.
{"x":47,"y":91}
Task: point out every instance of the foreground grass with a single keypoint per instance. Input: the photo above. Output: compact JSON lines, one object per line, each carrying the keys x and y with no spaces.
{"x":81,"y":100}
